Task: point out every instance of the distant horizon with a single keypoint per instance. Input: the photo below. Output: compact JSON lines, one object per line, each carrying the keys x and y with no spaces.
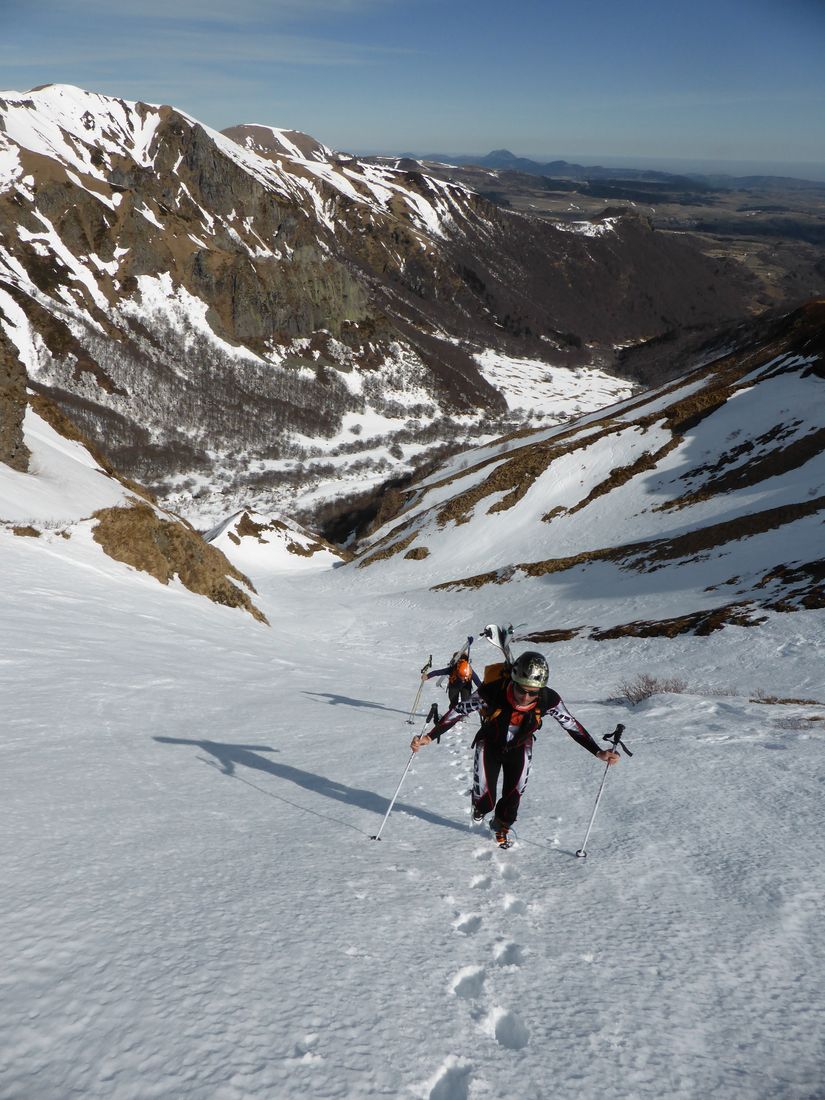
{"x":812,"y":171}
{"x":809,"y":171}
{"x":739,"y":85}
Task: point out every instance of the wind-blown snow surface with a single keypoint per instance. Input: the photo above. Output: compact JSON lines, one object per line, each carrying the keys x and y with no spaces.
{"x":193,"y":907}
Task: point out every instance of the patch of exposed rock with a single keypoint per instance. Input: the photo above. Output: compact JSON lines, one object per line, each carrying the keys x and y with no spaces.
{"x":166,"y":548}
{"x":13,"y":450}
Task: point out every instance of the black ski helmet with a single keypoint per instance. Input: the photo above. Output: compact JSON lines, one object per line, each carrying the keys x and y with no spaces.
{"x":530,"y":670}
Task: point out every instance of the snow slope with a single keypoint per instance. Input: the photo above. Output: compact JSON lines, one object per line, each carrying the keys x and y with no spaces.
{"x":193,"y":907}
{"x":704,"y":497}
{"x":264,"y":543}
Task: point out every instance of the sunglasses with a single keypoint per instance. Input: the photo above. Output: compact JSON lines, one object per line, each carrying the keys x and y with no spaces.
{"x":528,"y":693}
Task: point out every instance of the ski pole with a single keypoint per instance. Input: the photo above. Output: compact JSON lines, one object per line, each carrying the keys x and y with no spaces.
{"x":426,"y":668}
{"x":432,"y":717}
{"x":392,"y":803}
{"x":615,"y":738}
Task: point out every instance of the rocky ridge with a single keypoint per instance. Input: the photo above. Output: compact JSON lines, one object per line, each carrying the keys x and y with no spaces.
{"x":231,"y":317}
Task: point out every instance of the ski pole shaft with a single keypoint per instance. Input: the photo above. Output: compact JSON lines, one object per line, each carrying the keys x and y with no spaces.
{"x":582,"y":852}
{"x":415,"y":703}
{"x":392,"y":803}
{"x":426,"y":668}
{"x":615,"y":738}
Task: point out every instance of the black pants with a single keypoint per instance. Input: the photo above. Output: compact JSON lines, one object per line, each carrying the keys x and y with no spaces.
{"x":459,"y":691}
{"x":513,"y":765}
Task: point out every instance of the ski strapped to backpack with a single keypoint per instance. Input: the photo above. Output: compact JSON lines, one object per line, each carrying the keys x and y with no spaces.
{"x":500,"y":637}
{"x":456,"y":657}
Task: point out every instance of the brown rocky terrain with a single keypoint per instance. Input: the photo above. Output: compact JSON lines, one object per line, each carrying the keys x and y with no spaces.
{"x":774,"y":227}
{"x":207,"y":307}
{"x":13,"y":450}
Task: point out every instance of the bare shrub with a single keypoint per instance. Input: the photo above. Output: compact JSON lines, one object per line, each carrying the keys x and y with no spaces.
{"x":644,"y":685}
{"x":762,"y":696}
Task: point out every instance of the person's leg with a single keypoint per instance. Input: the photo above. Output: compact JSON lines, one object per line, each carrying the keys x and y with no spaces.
{"x":515,"y":771}
{"x":486,"y":766}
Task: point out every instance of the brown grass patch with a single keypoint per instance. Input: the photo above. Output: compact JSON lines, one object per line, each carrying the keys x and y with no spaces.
{"x":655,"y":553}
{"x":761,"y":696}
{"x":700,"y":623}
{"x":804,"y":586}
{"x":27,"y":531}
{"x":13,"y":380}
{"x":418,"y":553}
{"x":164,"y":548}
{"x":548,"y":637}
{"x":778,"y":461}
{"x":388,"y":551}
{"x":622,"y":474}
{"x":249,"y":528}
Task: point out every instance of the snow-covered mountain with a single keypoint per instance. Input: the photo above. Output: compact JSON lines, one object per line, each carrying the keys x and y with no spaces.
{"x":66,"y":503}
{"x":192,"y":904}
{"x":704,"y":498}
{"x":235,"y":318}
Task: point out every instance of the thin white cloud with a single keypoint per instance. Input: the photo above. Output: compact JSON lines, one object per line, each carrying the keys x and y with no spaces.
{"x":262,"y":12}
{"x":196,"y":48}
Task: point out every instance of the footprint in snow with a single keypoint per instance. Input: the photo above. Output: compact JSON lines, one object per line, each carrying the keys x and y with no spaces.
{"x":507,"y":1029}
{"x":480,"y":882}
{"x":451,"y":1082}
{"x":467,"y":923}
{"x":507,"y":871}
{"x":303,"y":1054}
{"x":469,"y":983}
{"x":513,"y":904}
{"x":483,"y":854}
{"x":508,"y":954}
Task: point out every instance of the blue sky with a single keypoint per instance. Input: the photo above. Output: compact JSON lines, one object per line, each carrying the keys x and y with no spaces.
{"x":705,"y":81}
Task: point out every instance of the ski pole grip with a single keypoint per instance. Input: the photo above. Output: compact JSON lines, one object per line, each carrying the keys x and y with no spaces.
{"x":615,"y":738}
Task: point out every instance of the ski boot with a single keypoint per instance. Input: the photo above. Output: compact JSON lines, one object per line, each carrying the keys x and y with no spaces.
{"x":502,"y":833}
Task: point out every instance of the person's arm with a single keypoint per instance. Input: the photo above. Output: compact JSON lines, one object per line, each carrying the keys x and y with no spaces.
{"x":435,"y":672}
{"x":573,"y":726}
{"x":447,"y":721}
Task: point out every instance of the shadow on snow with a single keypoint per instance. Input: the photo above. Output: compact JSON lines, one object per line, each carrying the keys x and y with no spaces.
{"x":346,"y":701}
{"x":228,"y":756}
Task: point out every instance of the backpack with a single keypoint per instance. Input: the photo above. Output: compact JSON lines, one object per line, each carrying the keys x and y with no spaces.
{"x":500,"y":671}
{"x":494,"y":672}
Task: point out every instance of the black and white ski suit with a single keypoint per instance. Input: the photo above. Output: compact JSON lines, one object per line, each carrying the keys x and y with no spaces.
{"x":504,"y":743}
